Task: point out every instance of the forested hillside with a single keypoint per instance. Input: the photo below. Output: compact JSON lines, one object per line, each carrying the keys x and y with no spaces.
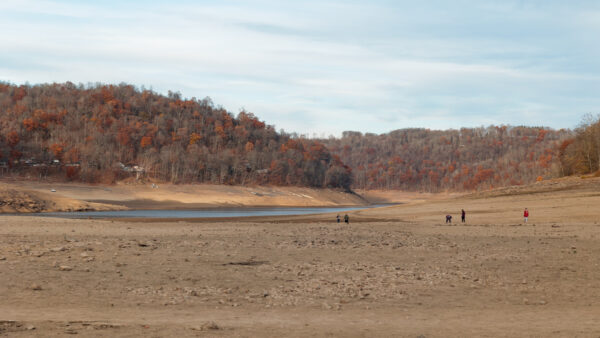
{"x":105,"y":133}
{"x":581,"y":154}
{"x":456,"y":160}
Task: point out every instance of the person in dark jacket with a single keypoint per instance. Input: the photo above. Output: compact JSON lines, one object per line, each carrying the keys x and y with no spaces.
{"x":448,"y":218}
{"x":346,"y":219}
{"x":337,"y":218}
{"x":463,"y":215}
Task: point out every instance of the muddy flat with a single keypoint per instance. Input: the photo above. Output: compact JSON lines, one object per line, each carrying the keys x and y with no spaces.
{"x":397,"y":271}
{"x":43,"y":196}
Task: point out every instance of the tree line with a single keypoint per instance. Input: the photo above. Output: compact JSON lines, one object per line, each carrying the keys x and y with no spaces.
{"x":91,"y":133}
{"x":581,"y":153}
{"x":456,"y":160}
{"x":104,"y":133}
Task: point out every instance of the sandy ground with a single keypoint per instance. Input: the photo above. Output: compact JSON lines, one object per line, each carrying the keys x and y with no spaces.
{"x":397,"y":271}
{"x":63,"y":196}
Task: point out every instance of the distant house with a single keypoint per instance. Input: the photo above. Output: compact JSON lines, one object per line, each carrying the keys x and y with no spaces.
{"x":30,"y":162}
{"x":138,"y":170}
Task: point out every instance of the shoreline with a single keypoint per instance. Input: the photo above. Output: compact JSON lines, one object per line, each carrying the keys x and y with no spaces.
{"x":26,"y":197}
{"x":175,"y":205}
{"x":321,"y":214}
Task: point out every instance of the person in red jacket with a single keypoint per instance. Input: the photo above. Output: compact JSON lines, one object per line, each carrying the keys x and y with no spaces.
{"x":526,"y":214}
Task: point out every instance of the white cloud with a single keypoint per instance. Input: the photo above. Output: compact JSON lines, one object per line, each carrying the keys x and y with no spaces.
{"x":324,"y":67}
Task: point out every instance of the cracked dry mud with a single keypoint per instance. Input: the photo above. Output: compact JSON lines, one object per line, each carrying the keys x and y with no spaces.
{"x":307,"y":276}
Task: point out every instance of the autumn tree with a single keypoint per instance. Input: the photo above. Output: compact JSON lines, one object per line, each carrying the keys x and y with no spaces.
{"x":100,"y":128}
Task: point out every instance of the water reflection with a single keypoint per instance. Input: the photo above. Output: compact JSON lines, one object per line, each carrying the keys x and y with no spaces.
{"x":202,"y":213}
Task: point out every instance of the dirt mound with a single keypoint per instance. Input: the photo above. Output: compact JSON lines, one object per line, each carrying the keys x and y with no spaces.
{"x":17,"y":200}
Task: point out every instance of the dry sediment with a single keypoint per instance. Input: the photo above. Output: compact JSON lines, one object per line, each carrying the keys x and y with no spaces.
{"x":395,"y":271}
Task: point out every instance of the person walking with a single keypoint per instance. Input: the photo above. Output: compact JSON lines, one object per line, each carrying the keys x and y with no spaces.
{"x":526,"y":214}
{"x":346,"y":219}
{"x":337,"y":218}
{"x":463,"y":215}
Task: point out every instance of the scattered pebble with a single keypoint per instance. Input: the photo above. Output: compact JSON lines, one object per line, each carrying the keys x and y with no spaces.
{"x":210,"y":326}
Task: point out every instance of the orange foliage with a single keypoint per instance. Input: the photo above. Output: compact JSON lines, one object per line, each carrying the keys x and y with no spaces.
{"x":57,"y":149}
{"x":30,"y":124}
{"x":541,"y":135}
{"x":219,"y":130}
{"x":19,"y":93}
{"x":146,"y":141}
{"x":195,"y":138}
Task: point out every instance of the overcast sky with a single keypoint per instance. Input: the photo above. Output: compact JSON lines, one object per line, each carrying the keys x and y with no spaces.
{"x":325,"y":66}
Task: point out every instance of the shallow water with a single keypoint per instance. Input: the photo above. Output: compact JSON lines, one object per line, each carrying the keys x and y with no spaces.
{"x":203,"y":213}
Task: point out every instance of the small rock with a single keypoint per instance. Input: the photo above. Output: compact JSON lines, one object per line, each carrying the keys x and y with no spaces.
{"x":84,"y":255}
{"x":65,"y":268}
{"x":36,"y":287}
{"x":2,"y":258}
{"x":30,"y":327}
{"x":210,"y":326}
{"x":57,"y":249}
